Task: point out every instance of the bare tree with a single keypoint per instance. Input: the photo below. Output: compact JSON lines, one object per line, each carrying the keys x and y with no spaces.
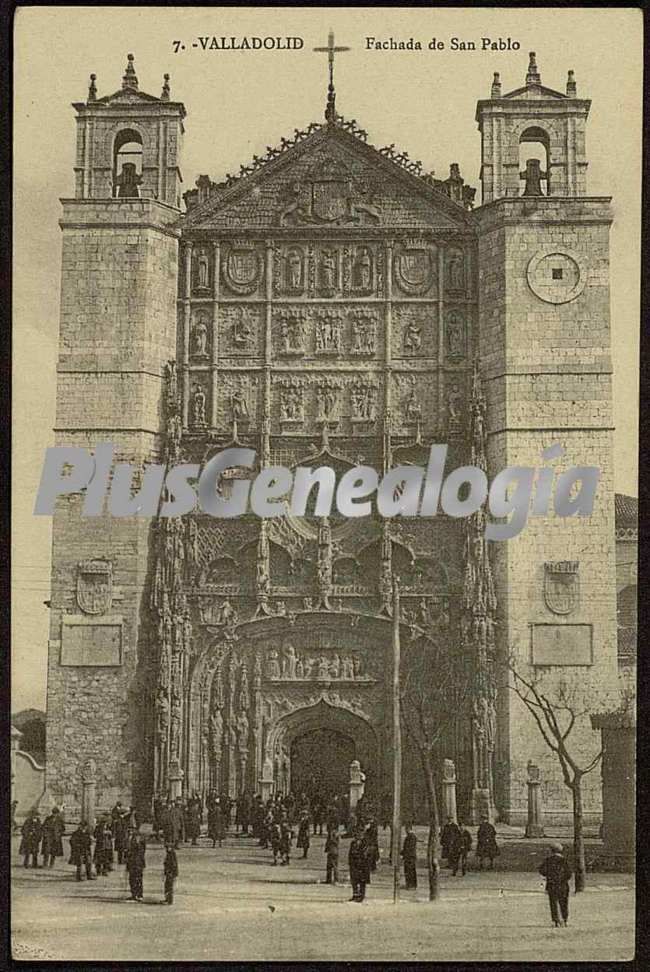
{"x":433,"y":689}
{"x":557,"y":705}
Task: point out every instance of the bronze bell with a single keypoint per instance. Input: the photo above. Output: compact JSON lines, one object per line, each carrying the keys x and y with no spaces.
{"x":533,"y":176}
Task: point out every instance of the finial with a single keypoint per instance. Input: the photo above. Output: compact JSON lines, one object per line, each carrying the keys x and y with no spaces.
{"x":496,"y":86}
{"x":92,"y":88}
{"x":165,"y":91}
{"x":571,"y":89}
{"x":533,"y":76}
{"x":130,"y":78}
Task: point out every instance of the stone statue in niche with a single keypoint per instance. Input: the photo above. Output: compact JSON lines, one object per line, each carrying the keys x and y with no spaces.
{"x":216,"y":729}
{"x":364,"y":400}
{"x":300,"y":669}
{"x":328,"y":334}
{"x":455,"y":335}
{"x":335,"y":667}
{"x":323,"y":668}
{"x":412,"y":337}
{"x":455,"y":271}
{"x":413,"y":409}
{"x":362,"y":273}
{"x":328,"y":271}
{"x":363,"y":334}
{"x":294,"y":271}
{"x":242,"y":335}
{"x":289,"y":662}
{"x":200,"y":337}
{"x":326,"y":395}
{"x":307,"y":603}
{"x":291,"y":404}
{"x":454,"y":406}
{"x":273,"y":665}
{"x":202,"y":269}
{"x":239,"y":406}
{"x":198,"y":407}
{"x":348,"y":668}
{"x":243,"y":730}
{"x":291,"y":334}
{"x":226,"y":613}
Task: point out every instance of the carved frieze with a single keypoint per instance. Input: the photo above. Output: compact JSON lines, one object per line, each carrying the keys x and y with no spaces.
{"x":289,"y":665}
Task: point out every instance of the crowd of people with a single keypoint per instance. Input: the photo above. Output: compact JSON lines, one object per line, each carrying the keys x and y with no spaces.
{"x":274,"y":823}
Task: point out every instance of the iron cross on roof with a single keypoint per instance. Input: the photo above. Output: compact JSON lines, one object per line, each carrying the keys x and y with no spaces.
{"x":330,"y":111}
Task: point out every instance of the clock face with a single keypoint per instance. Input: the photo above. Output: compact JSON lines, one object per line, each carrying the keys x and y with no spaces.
{"x":556,"y":277}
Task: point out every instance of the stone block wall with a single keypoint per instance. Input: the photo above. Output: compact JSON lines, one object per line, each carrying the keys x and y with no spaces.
{"x":117,"y":331}
{"x":547,"y":376}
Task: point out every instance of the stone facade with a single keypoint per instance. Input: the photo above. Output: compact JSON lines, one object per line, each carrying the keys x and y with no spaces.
{"x":332,"y":304}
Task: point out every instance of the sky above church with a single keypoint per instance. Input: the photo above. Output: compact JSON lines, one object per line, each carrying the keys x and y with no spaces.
{"x":238,"y":102}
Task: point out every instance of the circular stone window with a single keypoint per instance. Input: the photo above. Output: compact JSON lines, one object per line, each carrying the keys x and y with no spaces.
{"x":556,"y":277}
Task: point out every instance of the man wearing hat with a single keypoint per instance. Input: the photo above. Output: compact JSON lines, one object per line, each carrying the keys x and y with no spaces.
{"x":486,"y":842}
{"x":80,"y":844}
{"x":557,"y":871}
{"x":32,"y":831}
{"x":53,"y":830}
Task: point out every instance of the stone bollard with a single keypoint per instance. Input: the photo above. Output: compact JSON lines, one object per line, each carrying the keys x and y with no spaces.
{"x":534,"y":827}
{"x":266,"y":782}
{"x":356,"y":783}
{"x":449,"y":790}
{"x":175,"y":779}
{"x":88,"y":792}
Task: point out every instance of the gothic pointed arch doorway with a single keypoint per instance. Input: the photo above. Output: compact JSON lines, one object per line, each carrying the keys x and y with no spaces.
{"x":312,"y":748}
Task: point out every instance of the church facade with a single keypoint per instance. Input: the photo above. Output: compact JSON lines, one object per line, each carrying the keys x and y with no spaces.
{"x":331,"y":304}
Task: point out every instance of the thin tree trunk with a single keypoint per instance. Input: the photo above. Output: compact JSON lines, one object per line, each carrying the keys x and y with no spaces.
{"x":433,"y":843}
{"x":578,"y":838}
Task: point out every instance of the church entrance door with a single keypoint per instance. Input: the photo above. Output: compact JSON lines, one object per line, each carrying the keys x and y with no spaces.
{"x":320,"y":763}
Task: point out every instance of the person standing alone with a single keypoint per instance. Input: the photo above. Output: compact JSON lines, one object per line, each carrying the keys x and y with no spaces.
{"x":170,"y":867}
{"x":557,"y":871}
{"x":409,"y":856}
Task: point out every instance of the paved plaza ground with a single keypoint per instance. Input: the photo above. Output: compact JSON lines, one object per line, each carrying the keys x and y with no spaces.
{"x":232,"y":904}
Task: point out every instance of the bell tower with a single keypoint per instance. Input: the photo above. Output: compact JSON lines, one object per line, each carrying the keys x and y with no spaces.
{"x":553,"y":121}
{"x":545,"y":358}
{"x":129,"y":143}
{"x":117,"y":333}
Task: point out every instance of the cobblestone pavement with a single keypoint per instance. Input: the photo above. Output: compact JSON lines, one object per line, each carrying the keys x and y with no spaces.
{"x":233,"y":904}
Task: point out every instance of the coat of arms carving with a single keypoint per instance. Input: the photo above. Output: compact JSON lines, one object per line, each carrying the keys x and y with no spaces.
{"x":562,"y":586}
{"x":243,"y":268}
{"x":414,"y":268}
{"x":95,"y":586}
{"x":331,"y":192}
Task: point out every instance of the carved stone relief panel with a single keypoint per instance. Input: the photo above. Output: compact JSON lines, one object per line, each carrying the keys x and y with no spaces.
{"x":415,"y":402}
{"x":325,"y":275}
{"x":242,"y":268}
{"x":240,"y":331}
{"x":290,"y":265}
{"x":415,"y":268}
{"x":415,"y":331}
{"x":322,"y":332}
{"x":289,"y":333}
{"x":237,"y":400}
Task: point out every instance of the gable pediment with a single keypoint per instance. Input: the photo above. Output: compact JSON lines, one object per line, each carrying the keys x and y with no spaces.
{"x":331,"y":179}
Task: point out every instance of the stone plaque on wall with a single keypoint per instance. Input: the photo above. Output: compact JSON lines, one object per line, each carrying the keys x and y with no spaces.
{"x":96,"y":643}
{"x":562,"y":644}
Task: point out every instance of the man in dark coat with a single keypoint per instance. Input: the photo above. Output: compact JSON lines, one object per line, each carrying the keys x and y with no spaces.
{"x":103,"y":846}
{"x":358,"y":863}
{"x":409,"y":856}
{"x":170,"y":867}
{"x":216,"y":822}
{"x":557,"y":871}
{"x":80,"y":853}
{"x":135,"y":864}
{"x":486,"y":842}
{"x":174,"y":829}
{"x":448,"y":837}
{"x":119,"y":828}
{"x":303,"y":833}
{"x":372,"y":843}
{"x":332,"y":851}
{"x":459,"y":850}
{"x":317,"y":813}
{"x":193,"y":820}
{"x":31,"y":839}
{"x":158,"y":809}
{"x":286,"y":835}
{"x":53,"y":830}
